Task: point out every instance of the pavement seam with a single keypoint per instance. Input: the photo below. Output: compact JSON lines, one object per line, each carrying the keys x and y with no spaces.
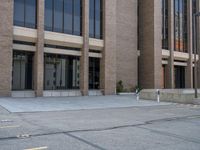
{"x":85,"y":141}
{"x":86,"y":109}
{"x":172,"y":135}
{"x":105,"y":129}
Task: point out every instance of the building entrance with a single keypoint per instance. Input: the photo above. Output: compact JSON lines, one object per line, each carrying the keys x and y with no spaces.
{"x":179,"y":73}
{"x":22,"y":70}
{"x":61,"y":72}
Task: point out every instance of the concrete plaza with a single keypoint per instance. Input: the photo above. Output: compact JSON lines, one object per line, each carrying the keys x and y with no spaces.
{"x":73,"y":103}
{"x":108,"y":123}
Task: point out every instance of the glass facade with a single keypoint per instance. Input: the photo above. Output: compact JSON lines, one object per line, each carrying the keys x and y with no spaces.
{"x":64,"y":16}
{"x":180,"y":25}
{"x":165,"y":24}
{"x":22,"y":70}
{"x":25,"y":13}
{"x":96,"y":21}
{"x":194,"y":6}
{"x":61,"y":72}
{"x":94,"y":73}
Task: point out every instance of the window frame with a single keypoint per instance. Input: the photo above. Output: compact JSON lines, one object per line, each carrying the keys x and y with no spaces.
{"x":24,"y":22}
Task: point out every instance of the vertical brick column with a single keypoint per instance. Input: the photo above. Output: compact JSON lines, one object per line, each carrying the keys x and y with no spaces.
{"x":39,"y":54}
{"x":189,"y":68}
{"x":151,"y":48}
{"x":126,"y":45}
{"x":6,"y":38}
{"x":85,"y":49}
{"x":108,"y":62}
{"x":170,"y":66}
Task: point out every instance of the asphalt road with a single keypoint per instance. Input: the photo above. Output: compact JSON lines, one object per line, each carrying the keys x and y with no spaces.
{"x":162,"y":127}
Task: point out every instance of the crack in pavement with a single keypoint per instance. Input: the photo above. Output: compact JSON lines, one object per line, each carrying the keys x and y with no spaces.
{"x":69,"y":133}
{"x":85,"y":141}
{"x":193,"y":140}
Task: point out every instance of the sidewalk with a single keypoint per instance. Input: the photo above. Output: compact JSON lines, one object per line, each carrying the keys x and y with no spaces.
{"x":196,"y":101}
{"x":73,"y":103}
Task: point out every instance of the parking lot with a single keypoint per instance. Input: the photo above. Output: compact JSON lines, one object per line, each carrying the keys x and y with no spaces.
{"x":102,"y":123}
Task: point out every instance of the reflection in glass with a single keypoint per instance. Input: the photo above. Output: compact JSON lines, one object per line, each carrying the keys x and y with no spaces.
{"x":30,"y":15}
{"x":19,"y":12}
{"x":96,"y":19}
{"x":64,"y":16}
{"x":68,"y":18}
{"x":165,"y":24}
{"x":22,"y":70}
{"x":58,"y":16}
{"x":25,"y":13}
{"x":180,"y":27}
{"x":48,"y":15}
{"x":61,"y":72}
{"x":77,"y":19}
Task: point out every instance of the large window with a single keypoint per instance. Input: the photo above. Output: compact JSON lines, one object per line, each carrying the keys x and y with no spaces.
{"x":96,"y":19}
{"x":94,"y":73}
{"x":180,"y":25}
{"x":25,"y":13}
{"x":64,"y":16}
{"x":22,"y":70}
{"x":165,"y":24}
{"x":61,"y":72}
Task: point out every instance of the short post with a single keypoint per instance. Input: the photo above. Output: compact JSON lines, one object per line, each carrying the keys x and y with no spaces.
{"x":137,"y":95}
{"x":158,"y":95}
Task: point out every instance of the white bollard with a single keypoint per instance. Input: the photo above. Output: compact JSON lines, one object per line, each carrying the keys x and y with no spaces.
{"x":158,"y":95}
{"x":137,"y":95}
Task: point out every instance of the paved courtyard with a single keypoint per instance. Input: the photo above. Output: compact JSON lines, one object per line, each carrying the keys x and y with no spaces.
{"x":73,"y":103}
{"x":97,"y":123}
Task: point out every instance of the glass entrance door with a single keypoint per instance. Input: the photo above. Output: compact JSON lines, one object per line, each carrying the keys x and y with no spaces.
{"x":94,"y":73}
{"x":61,"y":72}
{"x":179,"y":77}
{"x":22,"y":70}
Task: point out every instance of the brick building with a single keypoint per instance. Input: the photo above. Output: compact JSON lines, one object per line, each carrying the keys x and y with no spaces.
{"x":84,"y":47}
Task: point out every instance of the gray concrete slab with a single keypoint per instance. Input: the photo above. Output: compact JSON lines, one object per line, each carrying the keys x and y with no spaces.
{"x":73,"y":103}
{"x":134,"y":138}
{"x":153,"y":127}
{"x":3,"y":110}
{"x":52,"y":142}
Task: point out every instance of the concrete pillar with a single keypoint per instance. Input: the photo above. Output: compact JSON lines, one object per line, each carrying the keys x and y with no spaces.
{"x":6,"y":40}
{"x":39,"y":54}
{"x":108,"y":62}
{"x":85,"y":49}
{"x":126,"y":46}
{"x":170,"y":66}
{"x":189,"y":68}
{"x":151,"y":48}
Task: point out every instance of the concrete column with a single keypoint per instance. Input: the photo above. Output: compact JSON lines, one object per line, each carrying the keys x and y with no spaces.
{"x":126,"y":45}
{"x":151,"y":48}
{"x":170,"y":66}
{"x":108,"y":62}
{"x":39,"y":54}
{"x":85,"y":49}
{"x":189,"y":68}
{"x":6,"y":40}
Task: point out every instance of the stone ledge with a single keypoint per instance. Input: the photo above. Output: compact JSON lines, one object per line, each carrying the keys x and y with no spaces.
{"x":185,"y":96}
{"x":196,"y":101}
